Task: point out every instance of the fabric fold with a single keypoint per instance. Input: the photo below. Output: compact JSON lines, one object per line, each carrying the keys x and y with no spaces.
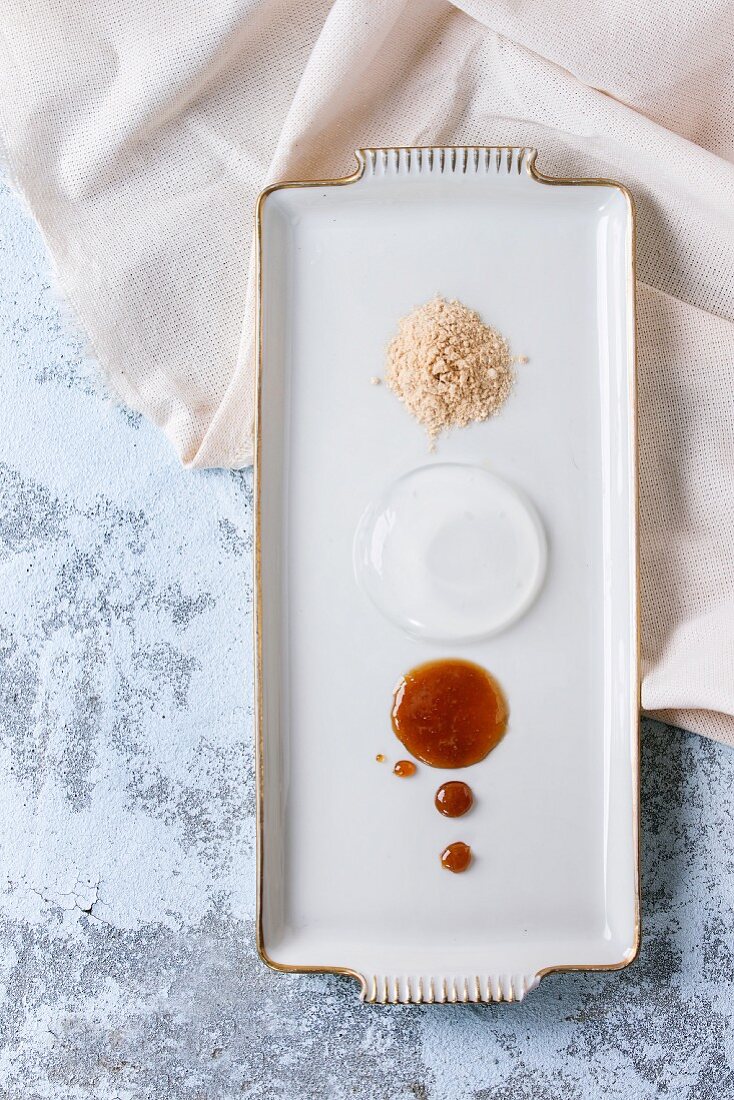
{"x":140,"y":139}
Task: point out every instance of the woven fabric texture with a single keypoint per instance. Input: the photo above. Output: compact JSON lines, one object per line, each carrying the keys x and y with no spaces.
{"x":140,"y":134}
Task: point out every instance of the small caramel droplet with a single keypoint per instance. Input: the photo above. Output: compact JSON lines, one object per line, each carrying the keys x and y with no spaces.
{"x":454,"y":799}
{"x":456,"y":857}
{"x":404,"y":768}
{"x":380,"y":758}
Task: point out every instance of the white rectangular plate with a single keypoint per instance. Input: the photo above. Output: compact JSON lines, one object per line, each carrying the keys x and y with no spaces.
{"x":349,"y":875}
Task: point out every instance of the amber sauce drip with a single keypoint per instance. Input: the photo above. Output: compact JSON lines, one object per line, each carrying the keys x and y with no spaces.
{"x":456,"y":857}
{"x":404,"y":768}
{"x":449,"y":713}
{"x":454,"y":799}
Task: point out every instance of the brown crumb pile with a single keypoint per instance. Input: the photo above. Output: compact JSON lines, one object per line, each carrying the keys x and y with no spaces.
{"x":448,"y":367}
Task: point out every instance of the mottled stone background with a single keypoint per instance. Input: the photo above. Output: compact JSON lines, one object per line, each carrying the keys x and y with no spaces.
{"x":127,"y":969}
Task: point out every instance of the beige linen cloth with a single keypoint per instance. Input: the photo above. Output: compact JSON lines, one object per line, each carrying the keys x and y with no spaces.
{"x":140,"y":133}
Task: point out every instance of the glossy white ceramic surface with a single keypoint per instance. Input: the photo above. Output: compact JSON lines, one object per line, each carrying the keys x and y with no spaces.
{"x":350,"y":874}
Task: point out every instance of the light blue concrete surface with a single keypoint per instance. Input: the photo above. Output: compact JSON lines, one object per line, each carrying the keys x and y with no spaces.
{"x":127,"y":967}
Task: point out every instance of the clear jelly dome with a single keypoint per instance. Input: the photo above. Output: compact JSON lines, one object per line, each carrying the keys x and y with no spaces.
{"x":451,"y":552}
